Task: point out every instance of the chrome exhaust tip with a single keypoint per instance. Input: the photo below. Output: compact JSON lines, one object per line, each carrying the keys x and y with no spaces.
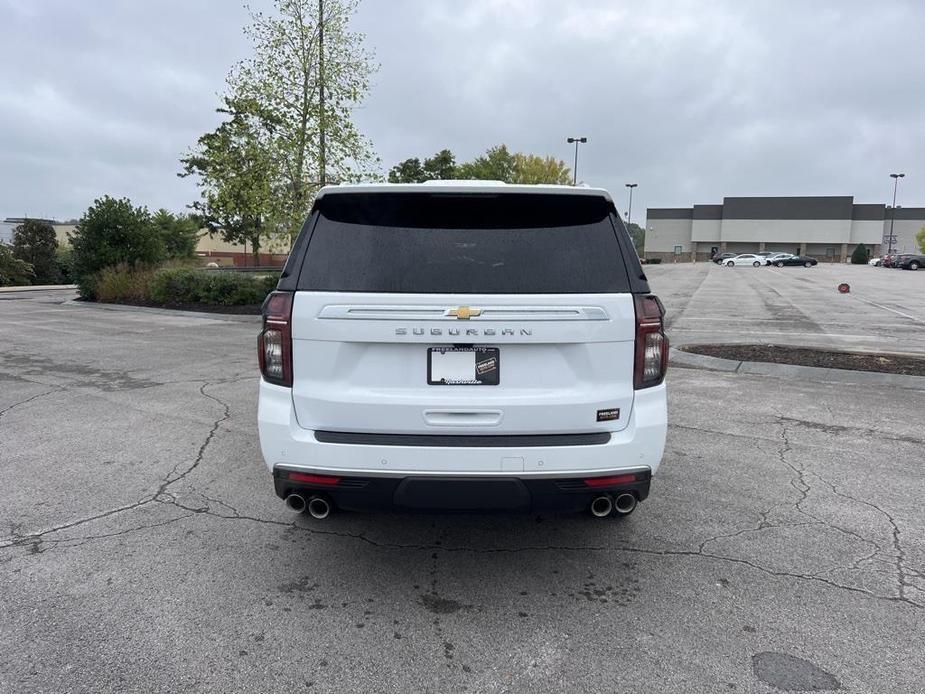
{"x":295,"y":502}
{"x":601,"y":506}
{"x":625,"y":504}
{"x":319,"y":508}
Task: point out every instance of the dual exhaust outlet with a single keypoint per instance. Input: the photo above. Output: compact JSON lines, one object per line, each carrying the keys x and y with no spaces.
{"x":317,"y":506}
{"x":621,"y":505}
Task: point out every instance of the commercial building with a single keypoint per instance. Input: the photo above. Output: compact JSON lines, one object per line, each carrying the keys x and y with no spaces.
{"x":825,"y":227}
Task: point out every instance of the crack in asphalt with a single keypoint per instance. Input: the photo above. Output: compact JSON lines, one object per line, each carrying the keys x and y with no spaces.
{"x":6,"y":409}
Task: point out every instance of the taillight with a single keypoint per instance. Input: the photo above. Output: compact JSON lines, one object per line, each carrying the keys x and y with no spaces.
{"x":274,"y":345}
{"x":651,"y":342}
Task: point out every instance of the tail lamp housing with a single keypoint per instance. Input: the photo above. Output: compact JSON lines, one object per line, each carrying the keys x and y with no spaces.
{"x":651,"y":342}
{"x":274,"y":344}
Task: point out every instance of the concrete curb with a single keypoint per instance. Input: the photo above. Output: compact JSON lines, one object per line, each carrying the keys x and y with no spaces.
{"x":164,"y":311}
{"x":809,"y":373}
{"x":38,"y":288}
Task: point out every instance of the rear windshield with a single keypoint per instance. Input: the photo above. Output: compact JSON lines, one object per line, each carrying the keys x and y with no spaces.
{"x":463,"y":244}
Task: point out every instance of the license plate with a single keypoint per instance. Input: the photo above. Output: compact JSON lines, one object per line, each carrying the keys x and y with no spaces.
{"x":463,"y":366}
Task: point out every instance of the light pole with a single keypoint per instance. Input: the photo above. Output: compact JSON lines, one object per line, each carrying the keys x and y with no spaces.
{"x":629,"y":213}
{"x":895,"y":177}
{"x":576,"y":140}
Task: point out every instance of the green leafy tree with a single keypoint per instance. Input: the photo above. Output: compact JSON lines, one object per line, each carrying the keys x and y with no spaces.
{"x":638,"y":234}
{"x":408,"y":171}
{"x":497,"y":164}
{"x":920,"y":239}
{"x":180,"y":234}
{"x":860,"y":255}
{"x":307,"y":74}
{"x":35,"y":242}
{"x":236,"y":175}
{"x":530,"y":168}
{"x":110,"y":232}
{"x":441,"y":166}
{"x":13,"y":272}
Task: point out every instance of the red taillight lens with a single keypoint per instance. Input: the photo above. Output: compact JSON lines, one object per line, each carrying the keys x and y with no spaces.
{"x":609,"y":481}
{"x":651,"y":343}
{"x":314,"y":479}
{"x":274,"y":345}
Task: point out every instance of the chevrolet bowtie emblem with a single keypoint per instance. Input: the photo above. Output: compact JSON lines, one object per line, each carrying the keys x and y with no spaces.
{"x":464,"y":312}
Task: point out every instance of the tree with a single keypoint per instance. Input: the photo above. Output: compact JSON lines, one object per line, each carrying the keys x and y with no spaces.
{"x":530,"y":168}
{"x":13,"y":272}
{"x":308,"y":72}
{"x":497,"y":164}
{"x":35,"y":242}
{"x":638,"y":234}
{"x":860,"y":255}
{"x":408,"y":171}
{"x":236,"y":176}
{"x":441,"y":166}
{"x":180,"y":234}
{"x":920,"y":239}
{"x":111,"y":232}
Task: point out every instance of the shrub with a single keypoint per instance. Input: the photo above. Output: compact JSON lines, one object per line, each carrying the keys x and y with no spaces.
{"x":64,"y":259}
{"x":860,"y":255}
{"x":124,"y":282}
{"x":112,"y":232}
{"x":180,"y":234}
{"x":35,"y":242}
{"x":190,"y":286}
{"x":13,"y":272}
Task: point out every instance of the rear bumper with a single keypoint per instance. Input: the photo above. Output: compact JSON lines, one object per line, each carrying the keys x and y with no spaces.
{"x":460,"y":494}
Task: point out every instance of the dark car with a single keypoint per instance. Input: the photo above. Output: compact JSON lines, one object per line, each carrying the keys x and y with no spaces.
{"x":803,"y":260}
{"x":720,"y":257}
{"x":911,"y":262}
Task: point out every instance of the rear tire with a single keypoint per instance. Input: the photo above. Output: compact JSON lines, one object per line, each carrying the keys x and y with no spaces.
{"x":807,"y":264}
{"x":756,"y":264}
{"x":730,"y":264}
{"x":779,"y":264}
{"x":913,"y":265}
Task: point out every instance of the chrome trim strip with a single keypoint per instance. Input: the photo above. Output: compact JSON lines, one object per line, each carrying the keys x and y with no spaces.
{"x":440,"y":312}
{"x":442,"y":473}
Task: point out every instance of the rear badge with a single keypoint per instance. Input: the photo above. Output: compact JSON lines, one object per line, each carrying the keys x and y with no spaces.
{"x":608,"y":415}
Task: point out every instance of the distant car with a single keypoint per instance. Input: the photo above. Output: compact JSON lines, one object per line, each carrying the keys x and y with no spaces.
{"x":911,"y":262}
{"x":770,"y":259}
{"x":744,"y":259}
{"x":720,"y":257}
{"x":875,"y":262}
{"x":803,"y":260}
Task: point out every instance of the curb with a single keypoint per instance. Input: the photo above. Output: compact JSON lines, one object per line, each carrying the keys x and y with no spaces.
{"x":809,"y":373}
{"x":38,"y":288}
{"x":241,"y":318}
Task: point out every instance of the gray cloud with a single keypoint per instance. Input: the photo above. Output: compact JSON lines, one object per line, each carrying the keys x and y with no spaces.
{"x":692,"y":100}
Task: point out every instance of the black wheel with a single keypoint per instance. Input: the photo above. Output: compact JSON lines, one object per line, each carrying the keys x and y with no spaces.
{"x":914,"y":265}
{"x":756,"y":264}
{"x":807,"y":264}
{"x":730,"y":264}
{"x":779,"y":264}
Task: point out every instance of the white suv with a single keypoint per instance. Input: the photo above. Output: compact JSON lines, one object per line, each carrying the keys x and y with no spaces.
{"x":468,"y":346}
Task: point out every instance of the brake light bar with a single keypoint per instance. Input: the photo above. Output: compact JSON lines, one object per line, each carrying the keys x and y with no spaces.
{"x":274,"y":344}
{"x":609,"y":481}
{"x":651,"y":342}
{"x":304,"y":477}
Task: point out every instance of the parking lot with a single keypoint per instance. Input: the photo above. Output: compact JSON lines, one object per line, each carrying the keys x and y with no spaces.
{"x":143,"y":549}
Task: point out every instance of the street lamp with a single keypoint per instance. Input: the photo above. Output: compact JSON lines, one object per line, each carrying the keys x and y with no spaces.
{"x":629,"y":214}
{"x":576,"y":140}
{"x":895,"y":177}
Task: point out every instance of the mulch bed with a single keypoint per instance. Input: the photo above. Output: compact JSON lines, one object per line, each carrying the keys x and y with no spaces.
{"x":246,"y":310}
{"x":802,"y":356}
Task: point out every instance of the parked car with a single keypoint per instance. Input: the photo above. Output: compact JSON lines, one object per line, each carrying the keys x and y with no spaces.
{"x":510,"y":357}
{"x":803,"y":260}
{"x":744,"y":259}
{"x":911,"y":261}
{"x":887,"y":260}
{"x":875,"y":262}
{"x":769,"y":259}
{"x":720,"y":257}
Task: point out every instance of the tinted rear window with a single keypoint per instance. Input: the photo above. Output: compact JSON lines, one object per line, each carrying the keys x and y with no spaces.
{"x":463,"y":244}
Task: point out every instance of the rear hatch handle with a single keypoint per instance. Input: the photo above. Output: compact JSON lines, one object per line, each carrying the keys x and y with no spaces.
{"x":463,"y":418}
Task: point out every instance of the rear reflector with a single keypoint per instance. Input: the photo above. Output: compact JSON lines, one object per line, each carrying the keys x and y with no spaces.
{"x":305,"y":478}
{"x":609,"y":481}
{"x":274,"y":344}
{"x":651,"y":342}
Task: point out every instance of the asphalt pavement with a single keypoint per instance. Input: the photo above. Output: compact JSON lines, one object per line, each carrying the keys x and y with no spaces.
{"x":142,"y":548}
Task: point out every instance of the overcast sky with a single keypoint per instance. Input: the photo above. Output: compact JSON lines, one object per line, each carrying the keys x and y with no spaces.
{"x":691,"y":100}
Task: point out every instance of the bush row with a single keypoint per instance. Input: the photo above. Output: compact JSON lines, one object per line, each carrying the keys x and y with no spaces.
{"x":180,"y":284}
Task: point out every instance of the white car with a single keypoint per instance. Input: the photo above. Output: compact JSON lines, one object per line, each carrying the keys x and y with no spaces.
{"x":745,"y":259}
{"x":463,"y":346}
{"x":876,"y":262}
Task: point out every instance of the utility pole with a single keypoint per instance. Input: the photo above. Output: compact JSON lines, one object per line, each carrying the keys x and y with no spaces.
{"x":629,"y":213}
{"x":895,"y":177}
{"x":321,"y":125}
{"x":576,"y":140}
